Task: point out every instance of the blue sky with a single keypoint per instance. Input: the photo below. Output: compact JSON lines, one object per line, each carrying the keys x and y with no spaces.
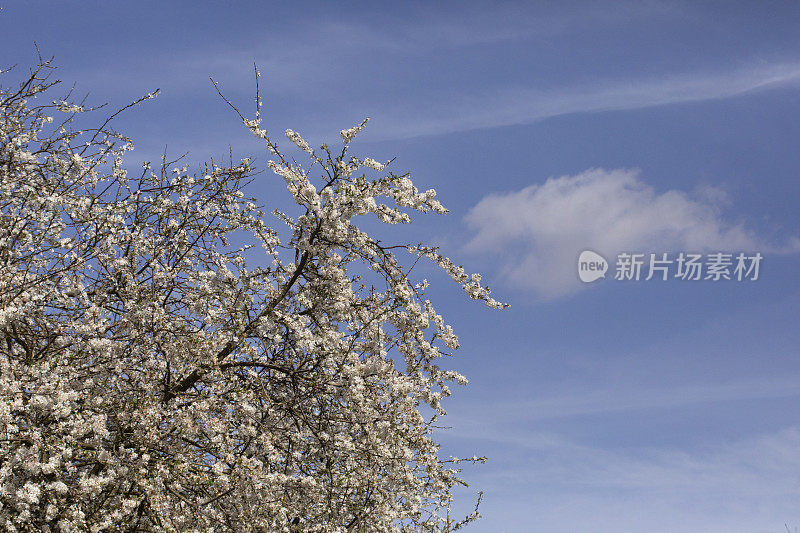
{"x":661,"y":127}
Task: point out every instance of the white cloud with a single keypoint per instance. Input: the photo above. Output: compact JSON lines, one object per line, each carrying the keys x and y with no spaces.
{"x":539,"y":231}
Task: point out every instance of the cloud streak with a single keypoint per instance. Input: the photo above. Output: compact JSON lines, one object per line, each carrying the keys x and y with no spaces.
{"x":746,"y":485}
{"x":617,"y":401}
{"x":546,"y":481}
{"x":360,"y":58}
{"x":510,"y":106}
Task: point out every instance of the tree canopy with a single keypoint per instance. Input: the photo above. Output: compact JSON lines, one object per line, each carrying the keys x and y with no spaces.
{"x":155,"y":377}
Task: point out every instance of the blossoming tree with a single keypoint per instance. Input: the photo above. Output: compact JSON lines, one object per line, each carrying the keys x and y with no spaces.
{"x":156,"y":377}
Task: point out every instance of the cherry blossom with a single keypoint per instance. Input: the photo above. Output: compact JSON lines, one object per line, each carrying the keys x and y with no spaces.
{"x":156,"y":375}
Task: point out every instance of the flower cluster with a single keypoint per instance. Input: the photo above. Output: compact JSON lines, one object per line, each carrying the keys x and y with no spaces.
{"x":156,"y":377}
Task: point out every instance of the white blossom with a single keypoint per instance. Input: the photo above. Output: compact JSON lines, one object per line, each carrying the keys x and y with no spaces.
{"x":158,"y":375}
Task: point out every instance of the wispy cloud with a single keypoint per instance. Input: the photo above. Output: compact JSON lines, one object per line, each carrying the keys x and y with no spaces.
{"x":747,"y":485}
{"x":299,"y":55}
{"x":539,"y":231}
{"x":543,"y":480}
{"x":632,"y":399}
{"x":509,"y":106}
{"x":494,"y":22}
{"x":335,"y":71}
